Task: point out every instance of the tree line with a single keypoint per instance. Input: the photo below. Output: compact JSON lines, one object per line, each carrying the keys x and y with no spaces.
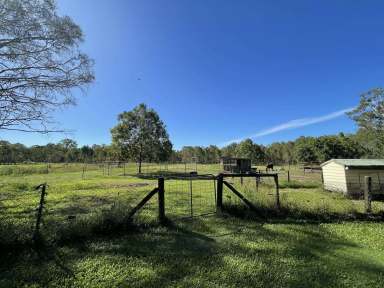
{"x":303,"y":149}
{"x":141,"y":136}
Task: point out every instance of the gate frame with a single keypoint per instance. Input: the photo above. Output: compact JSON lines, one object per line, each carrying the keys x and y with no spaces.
{"x":221,"y":182}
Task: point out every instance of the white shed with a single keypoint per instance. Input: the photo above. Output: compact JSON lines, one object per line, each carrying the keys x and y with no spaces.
{"x":347,"y":175}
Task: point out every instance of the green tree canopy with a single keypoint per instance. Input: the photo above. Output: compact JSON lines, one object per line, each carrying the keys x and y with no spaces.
{"x":142,"y":136}
{"x":248,"y":149}
{"x":305,"y":149}
{"x":369,"y":116}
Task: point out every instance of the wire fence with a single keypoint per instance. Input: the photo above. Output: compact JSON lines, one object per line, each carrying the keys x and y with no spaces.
{"x":190,"y":196}
{"x":81,"y":207}
{"x":302,"y":202}
{"x":109,"y":168}
{"x":74,"y":210}
{"x":260,"y":191}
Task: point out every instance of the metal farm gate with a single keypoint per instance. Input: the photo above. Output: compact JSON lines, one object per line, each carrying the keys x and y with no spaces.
{"x":198,"y":195}
{"x":190,"y":196}
{"x":256,"y":191}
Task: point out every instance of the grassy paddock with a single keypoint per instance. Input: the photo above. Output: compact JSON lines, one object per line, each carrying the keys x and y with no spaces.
{"x":90,"y":243}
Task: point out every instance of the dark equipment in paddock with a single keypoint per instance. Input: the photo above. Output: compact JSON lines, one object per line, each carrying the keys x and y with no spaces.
{"x":269,"y":167}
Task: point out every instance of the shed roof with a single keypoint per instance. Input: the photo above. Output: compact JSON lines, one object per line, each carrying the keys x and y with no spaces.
{"x":234,"y":158}
{"x":374,"y":163}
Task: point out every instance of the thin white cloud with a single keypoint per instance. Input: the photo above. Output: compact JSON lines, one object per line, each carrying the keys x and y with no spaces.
{"x":293,"y":124}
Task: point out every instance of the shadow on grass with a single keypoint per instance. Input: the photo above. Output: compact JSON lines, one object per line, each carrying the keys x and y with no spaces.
{"x":185,"y":255}
{"x":288,"y":214}
{"x":293,"y":184}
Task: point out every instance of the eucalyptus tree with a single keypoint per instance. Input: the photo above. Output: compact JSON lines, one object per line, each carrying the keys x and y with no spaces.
{"x":141,"y":135}
{"x":40,"y":64}
{"x":369,"y":116}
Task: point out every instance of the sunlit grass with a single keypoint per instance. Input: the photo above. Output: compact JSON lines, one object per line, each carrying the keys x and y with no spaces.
{"x":91,"y":243}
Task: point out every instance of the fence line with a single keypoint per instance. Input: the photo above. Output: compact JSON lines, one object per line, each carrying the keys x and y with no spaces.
{"x":186,"y":196}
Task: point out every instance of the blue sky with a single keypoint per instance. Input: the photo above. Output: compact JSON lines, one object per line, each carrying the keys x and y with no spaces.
{"x":222,"y":70}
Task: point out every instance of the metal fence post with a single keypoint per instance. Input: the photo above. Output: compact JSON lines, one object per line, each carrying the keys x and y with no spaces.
{"x":191,"y":194}
{"x":40,"y":208}
{"x":219,"y":199}
{"x":368,"y":194}
{"x":161,"y":199}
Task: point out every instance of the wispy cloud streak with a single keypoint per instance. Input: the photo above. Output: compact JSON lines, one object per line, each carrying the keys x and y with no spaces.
{"x":293,"y":124}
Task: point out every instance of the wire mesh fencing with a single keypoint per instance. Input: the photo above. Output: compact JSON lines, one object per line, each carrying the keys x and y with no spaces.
{"x":259,"y":191}
{"x":76,"y":210}
{"x":77,"y":207}
{"x":300,"y":201}
{"x":190,"y":196}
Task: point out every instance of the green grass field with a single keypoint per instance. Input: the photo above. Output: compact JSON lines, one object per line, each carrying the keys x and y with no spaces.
{"x":317,"y":240}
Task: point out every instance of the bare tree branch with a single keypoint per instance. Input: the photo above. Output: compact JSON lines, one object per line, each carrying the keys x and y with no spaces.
{"x":40,"y":64}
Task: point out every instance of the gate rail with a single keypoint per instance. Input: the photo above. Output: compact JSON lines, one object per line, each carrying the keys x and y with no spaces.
{"x":221,"y":182}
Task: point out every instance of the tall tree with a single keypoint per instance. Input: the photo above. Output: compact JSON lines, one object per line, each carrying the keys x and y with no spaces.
{"x":40,"y":64}
{"x":229,"y":150}
{"x":369,"y":116}
{"x":69,"y":147}
{"x":305,"y":150}
{"x":141,"y":135}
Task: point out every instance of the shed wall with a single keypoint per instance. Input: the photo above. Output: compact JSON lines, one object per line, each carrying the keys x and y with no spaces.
{"x":334,"y":177}
{"x":355,"y":180}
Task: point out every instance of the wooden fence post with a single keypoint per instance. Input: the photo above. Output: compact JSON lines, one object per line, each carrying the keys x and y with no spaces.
{"x":368,"y":193}
{"x":288,"y":176}
{"x":219,"y":199}
{"x":161,"y":199}
{"x":277,"y":203}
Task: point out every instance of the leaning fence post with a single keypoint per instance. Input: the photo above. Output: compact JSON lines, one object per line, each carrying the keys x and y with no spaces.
{"x":39,"y":211}
{"x":219,"y":199}
{"x":276,"y":178}
{"x":161,"y":199}
{"x":367,"y":194}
